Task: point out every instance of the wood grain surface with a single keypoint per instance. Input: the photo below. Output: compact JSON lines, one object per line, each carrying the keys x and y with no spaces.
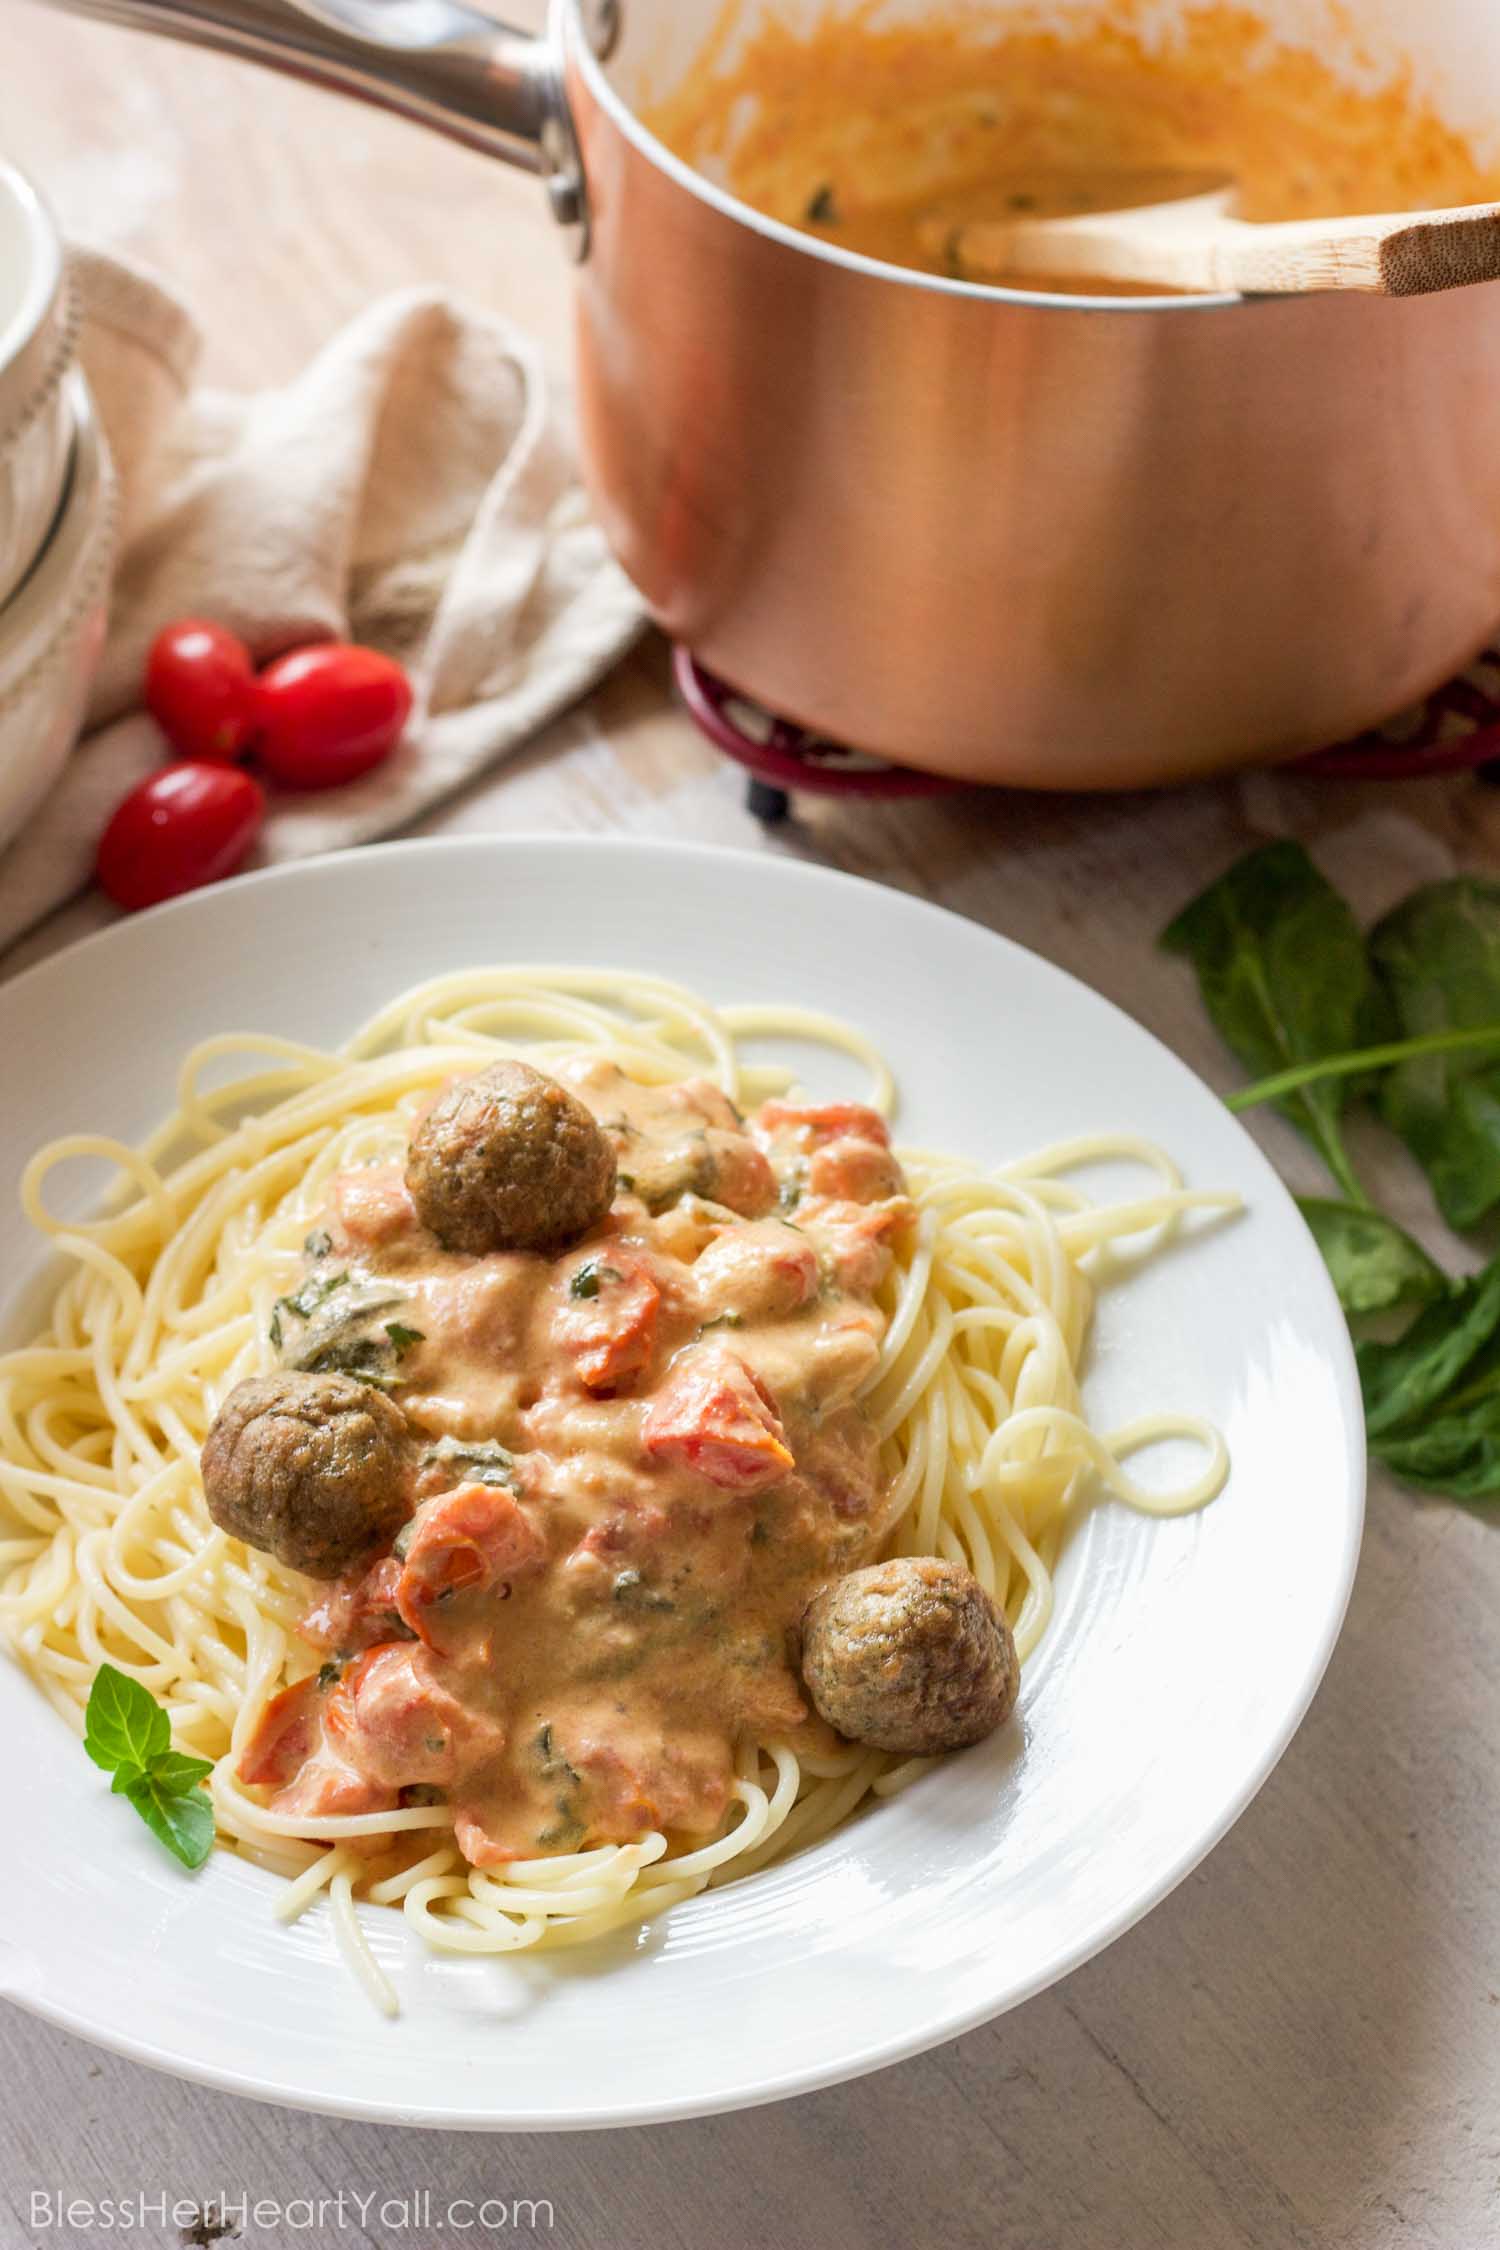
{"x":1300,"y":2050}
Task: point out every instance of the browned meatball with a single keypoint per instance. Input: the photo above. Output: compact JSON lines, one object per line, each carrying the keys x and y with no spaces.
{"x":509,"y":1160}
{"x":910,"y":1655}
{"x":313,"y":1469}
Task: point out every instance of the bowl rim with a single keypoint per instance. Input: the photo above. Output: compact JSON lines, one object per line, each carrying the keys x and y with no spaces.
{"x":147,"y":2045}
{"x":42,"y":290}
{"x":41,"y":611}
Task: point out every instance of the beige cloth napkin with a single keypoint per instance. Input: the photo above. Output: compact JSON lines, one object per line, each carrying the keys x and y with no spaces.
{"x":413,"y":488}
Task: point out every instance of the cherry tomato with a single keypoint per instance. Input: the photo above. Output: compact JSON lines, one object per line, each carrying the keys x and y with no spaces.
{"x":329,"y":714}
{"x":186,"y":824}
{"x":201,"y":689}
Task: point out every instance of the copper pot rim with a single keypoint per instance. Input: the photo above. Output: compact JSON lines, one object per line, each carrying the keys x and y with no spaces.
{"x":573,"y":43}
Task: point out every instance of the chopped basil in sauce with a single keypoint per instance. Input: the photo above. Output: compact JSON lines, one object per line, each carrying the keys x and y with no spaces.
{"x":315,"y":1291}
{"x":336,"y":1338}
{"x":477,"y":1460}
{"x":551,"y":1759}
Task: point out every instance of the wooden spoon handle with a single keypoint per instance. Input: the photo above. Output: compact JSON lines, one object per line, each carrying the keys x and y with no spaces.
{"x":1184,"y":246}
{"x":1404,"y":254}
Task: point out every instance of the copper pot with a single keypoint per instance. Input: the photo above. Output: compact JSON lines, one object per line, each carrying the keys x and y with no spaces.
{"x":1055,"y":542}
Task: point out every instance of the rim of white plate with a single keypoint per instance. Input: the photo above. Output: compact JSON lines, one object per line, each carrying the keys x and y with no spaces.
{"x":952,"y":2021}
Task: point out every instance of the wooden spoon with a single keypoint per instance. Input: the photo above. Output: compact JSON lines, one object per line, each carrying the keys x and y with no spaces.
{"x":1186,"y":237}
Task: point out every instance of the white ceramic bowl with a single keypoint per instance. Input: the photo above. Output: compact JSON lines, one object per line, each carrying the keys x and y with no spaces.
{"x":1180,"y":1659}
{"x":36,"y":347}
{"x":52,"y":628}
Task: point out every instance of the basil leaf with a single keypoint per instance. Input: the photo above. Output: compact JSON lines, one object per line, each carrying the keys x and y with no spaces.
{"x":1375,"y":1264}
{"x":1447,"y":1362}
{"x":305,"y":1301}
{"x":1457,"y":1455}
{"x":124,"y":1725}
{"x":183,"y":1820}
{"x":403,"y":1337}
{"x":1439,"y":955}
{"x":476,"y":1461}
{"x":1282,"y":968}
{"x":127,"y":1732}
{"x":176,"y":1771}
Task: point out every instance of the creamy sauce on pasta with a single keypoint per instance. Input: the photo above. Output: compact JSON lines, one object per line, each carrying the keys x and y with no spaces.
{"x":638,"y":1461}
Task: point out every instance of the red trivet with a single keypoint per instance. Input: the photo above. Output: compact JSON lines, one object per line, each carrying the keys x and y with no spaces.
{"x":1453,"y":731}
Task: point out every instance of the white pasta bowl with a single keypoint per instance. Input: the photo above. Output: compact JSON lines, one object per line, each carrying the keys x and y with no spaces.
{"x":36,"y":339}
{"x":52,"y":628}
{"x":1179,"y":1662}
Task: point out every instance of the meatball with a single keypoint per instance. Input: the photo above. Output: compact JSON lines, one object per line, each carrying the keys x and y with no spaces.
{"x":313,"y":1469}
{"x":910,"y":1655}
{"x":509,"y":1160}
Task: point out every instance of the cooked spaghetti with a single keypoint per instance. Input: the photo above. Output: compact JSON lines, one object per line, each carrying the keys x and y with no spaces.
{"x":954,"y":1306}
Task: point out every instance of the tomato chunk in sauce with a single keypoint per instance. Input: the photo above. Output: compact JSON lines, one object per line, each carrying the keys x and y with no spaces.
{"x":716,"y":1420}
{"x":637,"y":1460}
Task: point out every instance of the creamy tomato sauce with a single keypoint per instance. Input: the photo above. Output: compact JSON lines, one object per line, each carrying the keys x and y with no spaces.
{"x":887,"y":138}
{"x":638,"y":1460}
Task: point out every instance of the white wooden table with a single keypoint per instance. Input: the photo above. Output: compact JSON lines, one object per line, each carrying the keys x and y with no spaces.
{"x":1302,"y":2046}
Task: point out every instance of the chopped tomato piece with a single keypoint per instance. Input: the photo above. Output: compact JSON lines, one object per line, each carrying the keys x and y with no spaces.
{"x":857,"y":1238}
{"x":393,"y":1719}
{"x":329,"y":1785}
{"x":855,"y":1170}
{"x":761,"y":1272}
{"x":813,"y":1124}
{"x":372,"y":1205}
{"x":478,"y":1831}
{"x":714,"y":1416}
{"x":742,"y":1177}
{"x":357,"y":1610}
{"x":609,"y":1318}
{"x":631,"y":1786}
{"x":473,"y":1538}
{"x":284,"y":1737}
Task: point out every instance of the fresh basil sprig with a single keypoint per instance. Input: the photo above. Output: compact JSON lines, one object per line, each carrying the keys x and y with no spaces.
{"x":1283,"y":971}
{"x":1376,"y":1266}
{"x":1432,"y":1398}
{"x":1438,"y":955}
{"x":129,"y":1735}
{"x":1414,"y":1023}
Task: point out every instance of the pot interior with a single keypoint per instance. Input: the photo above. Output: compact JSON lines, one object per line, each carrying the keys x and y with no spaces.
{"x":834,"y":117}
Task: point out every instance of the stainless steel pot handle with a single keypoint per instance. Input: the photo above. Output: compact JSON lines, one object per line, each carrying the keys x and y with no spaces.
{"x":434,"y":61}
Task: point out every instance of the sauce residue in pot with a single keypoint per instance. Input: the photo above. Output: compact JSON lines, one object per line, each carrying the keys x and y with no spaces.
{"x":639,"y":1458}
{"x":886,"y":139}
